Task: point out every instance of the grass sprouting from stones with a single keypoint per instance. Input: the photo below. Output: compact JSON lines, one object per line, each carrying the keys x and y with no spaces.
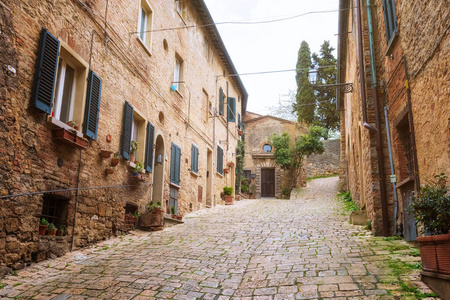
{"x":346,"y":198}
{"x":320,"y":176}
{"x":2,"y":285}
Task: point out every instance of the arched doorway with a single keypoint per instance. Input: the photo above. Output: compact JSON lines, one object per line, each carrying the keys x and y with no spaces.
{"x":158,"y":171}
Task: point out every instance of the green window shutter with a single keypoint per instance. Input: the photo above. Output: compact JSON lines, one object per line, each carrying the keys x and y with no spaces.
{"x":126,"y":131}
{"x":92,"y":108}
{"x":231,"y":109}
{"x":149,"y":147}
{"x":219,"y":160}
{"x":46,"y":68}
{"x":221,"y":101}
{"x":175,"y":163}
{"x":239,"y":121}
{"x":243,"y":132}
{"x":194,"y":159}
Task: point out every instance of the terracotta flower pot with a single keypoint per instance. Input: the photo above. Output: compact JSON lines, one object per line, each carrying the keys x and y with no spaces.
{"x":105,"y":153}
{"x":51,"y":232}
{"x":229,"y":200}
{"x":114,"y":162}
{"x":42,"y":229}
{"x":109,"y":171}
{"x":435,"y":253}
{"x":179,"y":217}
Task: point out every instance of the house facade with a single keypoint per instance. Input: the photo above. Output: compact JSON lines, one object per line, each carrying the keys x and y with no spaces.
{"x":259,"y":161}
{"x":395,"y":126}
{"x":87,"y":81}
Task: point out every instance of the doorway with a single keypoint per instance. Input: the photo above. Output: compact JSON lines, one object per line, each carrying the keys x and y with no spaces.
{"x":158,"y":171}
{"x":208,"y":178}
{"x":267,"y":182}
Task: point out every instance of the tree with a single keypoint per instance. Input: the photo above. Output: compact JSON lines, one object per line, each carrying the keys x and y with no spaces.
{"x":289,"y":154}
{"x":305,"y":100}
{"x":240,"y":153}
{"x":284,"y":108}
{"x":326,"y":114}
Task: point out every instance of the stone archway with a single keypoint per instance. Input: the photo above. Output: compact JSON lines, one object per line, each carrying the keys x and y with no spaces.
{"x":158,"y":171}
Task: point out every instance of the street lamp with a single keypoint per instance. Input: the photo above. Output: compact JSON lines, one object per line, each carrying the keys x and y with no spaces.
{"x":313,"y":76}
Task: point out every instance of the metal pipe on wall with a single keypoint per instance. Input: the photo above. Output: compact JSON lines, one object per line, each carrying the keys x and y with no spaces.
{"x":394,"y":185}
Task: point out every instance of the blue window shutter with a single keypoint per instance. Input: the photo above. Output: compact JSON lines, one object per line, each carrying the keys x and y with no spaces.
{"x":231,"y":109}
{"x":243,"y":132}
{"x":92,"y":108}
{"x":126,"y":131}
{"x":194,"y":159}
{"x":221,"y":101}
{"x":239,"y":121}
{"x":46,"y":68}
{"x":175,"y":163}
{"x":149,"y":147}
{"x":219,"y":160}
{"x":172,"y":163}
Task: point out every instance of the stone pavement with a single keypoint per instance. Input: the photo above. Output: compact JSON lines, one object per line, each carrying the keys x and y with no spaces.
{"x":256,"y":249}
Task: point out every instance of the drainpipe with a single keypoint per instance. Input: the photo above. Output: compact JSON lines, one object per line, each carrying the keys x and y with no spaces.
{"x":377,"y":130}
{"x":394,"y":185}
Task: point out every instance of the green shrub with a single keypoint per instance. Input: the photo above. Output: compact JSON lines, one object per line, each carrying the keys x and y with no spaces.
{"x":348,"y":202}
{"x":228,"y":190}
{"x":431,"y":207}
{"x":286,"y":191}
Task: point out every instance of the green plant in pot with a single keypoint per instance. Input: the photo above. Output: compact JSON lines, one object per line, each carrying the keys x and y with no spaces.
{"x":172,"y":210}
{"x":431,"y":209}
{"x":51,"y":229}
{"x":133,"y":149}
{"x":152,"y":218}
{"x":228,"y":194}
{"x":43,"y":224}
{"x":138,"y":169}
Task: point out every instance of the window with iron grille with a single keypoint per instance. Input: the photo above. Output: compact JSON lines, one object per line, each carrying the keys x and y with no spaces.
{"x":55,"y":209}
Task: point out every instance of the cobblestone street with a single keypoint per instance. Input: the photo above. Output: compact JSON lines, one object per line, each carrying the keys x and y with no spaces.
{"x":256,"y":249}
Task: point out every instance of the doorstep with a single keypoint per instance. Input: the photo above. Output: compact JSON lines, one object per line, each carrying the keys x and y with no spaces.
{"x":440,"y":283}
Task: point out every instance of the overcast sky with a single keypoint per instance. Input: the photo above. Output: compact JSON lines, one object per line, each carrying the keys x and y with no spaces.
{"x":272,"y":46}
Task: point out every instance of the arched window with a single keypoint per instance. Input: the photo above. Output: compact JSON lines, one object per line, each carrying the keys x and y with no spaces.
{"x":267,"y":148}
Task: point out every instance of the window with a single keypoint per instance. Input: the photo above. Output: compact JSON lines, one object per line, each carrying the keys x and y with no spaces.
{"x":239,"y":121}
{"x":248,"y":175}
{"x":267,"y":148}
{"x":231,"y":112}
{"x":219,"y":160}
{"x":55,"y":209}
{"x":175,"y":162}
{"x":178,"y":73}
{"x":194,"y":159}
{"x":181,"y":9}
{"x":135,"y":128}
{"x":145,"y":24}
{"x":64,"y":88}
{"x":221,"y":101}
{"x":390,"y":19}
{"x":205,"y":106}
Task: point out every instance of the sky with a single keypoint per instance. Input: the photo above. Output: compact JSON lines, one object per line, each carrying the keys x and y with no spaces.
{"x":272,"y":46}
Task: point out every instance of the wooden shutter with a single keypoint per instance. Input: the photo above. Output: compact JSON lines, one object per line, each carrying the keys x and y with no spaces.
{"x":219,"y":160}
{"x":149,"y":147}
{"x":92,"y":108}
{"x":231,"y":113}
{"x":221,"y":101}
{"x":126,"y":131}
{"x":239,"y":121}
{"x":194,"y":159}
{"x":175,"y":163}
{"x":46,"y":68}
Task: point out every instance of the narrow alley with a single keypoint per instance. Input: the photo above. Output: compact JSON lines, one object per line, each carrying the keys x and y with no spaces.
{"x":257,"y":249}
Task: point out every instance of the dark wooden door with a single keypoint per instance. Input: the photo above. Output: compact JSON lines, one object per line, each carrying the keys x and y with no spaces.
{"x":409,"y":223}
{"x":267,"y":182}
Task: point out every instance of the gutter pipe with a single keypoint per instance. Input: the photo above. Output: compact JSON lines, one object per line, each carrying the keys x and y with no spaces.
{"x":394,"y":185}
{"x":377,"y":130}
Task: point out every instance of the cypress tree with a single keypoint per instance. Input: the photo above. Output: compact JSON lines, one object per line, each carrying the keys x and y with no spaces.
{"x":304,"y":106}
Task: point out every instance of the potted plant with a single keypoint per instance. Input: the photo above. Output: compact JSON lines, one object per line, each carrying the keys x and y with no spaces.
{"x":153,"y":217}
{"x":51,"y":229}
{"x":134,"y":147}
{"x":231,"y":164}
{"x":228,"y":193}
{"x":105,"y":153}
{"x":109,"y":170}
{"x":172,"y":210}
{"x":226,"y":170}
{"x":138,"y":169}
{"x":115,"y":160}
{"x":61,"y":230}
{"x":43,"y":226}
{"x":179,"y":217}
{"x":240,"y":132}
{"x":431,"y":208}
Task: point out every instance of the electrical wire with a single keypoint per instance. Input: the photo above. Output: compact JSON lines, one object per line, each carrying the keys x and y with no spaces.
{"x":242,"y":22}
{"x":277,"y":71}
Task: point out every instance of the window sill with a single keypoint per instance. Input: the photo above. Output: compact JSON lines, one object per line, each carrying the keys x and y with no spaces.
{"x":133,"y":165}
{"x":70,"y":136}
{"x":218,"y":174}
{"x":194,"y":174}
{"x":392,"y":42}
{"x":175,"y":185}
{"x":149,"y":52}
{"x":59,"y":124}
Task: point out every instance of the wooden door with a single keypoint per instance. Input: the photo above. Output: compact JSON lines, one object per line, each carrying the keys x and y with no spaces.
{"x":267,"y":182}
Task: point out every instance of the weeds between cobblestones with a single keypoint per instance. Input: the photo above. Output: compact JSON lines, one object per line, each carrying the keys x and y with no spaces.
{"x":302,"y":248}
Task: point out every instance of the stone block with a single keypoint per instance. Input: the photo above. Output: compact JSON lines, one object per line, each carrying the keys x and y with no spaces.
{"x":358,"y":217}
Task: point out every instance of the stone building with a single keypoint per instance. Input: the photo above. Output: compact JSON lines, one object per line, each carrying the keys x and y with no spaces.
{"x":396,"y":123}
{"x":259,"y":161}
{"x":79,"y":77}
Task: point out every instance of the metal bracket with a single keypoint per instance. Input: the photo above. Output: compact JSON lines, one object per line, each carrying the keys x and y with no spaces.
{"x":344,"y":87}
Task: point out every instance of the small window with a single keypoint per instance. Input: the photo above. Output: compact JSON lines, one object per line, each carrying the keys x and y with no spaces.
{"x":145,"y":24}
{"x":55,"y":209}
{"x":221,"y":101}
{"x":390,"y":19}
{"x":138,"y":135}
{"x":178,"y":73}
{"x":219,"y":160}
{"x":231,"y":109}
{"x":175,"y":163}
{"x":248,"y":175}
{"x":181,"y":9}
{"x":205,"y":106}
{"x":267,"y":148}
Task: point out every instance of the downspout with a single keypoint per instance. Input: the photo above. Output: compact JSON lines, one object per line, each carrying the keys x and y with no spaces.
{"x":394,"y":185}
{"x":377,"y":130}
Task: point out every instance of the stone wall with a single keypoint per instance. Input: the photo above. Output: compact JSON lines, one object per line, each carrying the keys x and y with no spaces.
{"x":31,"y":161}
{"x":327,"y":163}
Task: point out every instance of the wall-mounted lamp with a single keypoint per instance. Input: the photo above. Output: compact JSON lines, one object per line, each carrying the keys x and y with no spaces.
{"x":159,"y":158}
{"x":313,"y":76}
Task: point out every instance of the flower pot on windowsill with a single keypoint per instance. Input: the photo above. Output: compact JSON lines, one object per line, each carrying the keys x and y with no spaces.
{"x":105,"y":154}
{"x":42,"y":229}
{"x":70,"y":137}
{"x":240,"y":132}
{"x":179,"y":217}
